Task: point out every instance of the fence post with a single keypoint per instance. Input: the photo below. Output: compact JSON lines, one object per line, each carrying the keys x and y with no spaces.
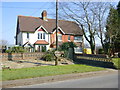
{"x":9,"y":56}
{"x":22,"y":54}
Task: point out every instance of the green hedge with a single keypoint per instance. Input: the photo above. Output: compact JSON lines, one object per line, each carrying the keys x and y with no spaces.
{"x":116,"y":62}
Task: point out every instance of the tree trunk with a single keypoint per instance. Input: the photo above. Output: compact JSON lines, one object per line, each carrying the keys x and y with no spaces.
{"x":92,"y":46}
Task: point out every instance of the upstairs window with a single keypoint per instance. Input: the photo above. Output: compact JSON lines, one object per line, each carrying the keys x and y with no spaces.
{"x":78,"y":38}
{"x":27,"y":35}
{"x":59,"y":37}
{"x":41,"y":35}
{"x":68,"y":37}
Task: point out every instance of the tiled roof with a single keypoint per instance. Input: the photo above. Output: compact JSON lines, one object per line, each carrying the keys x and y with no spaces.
{"x":30,"y":24}
{"x":41,"y":42}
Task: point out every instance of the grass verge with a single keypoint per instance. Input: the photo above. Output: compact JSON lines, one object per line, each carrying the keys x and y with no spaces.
{"x":116,"y":62}
{"x":41,"y":71}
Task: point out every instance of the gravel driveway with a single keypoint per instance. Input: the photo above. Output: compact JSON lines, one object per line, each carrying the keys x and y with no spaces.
{"x":30,"y":63}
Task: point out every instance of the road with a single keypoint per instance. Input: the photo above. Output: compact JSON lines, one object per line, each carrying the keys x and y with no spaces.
{"x":104,"y":81}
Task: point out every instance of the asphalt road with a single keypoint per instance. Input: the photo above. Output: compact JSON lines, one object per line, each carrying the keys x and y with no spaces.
{"x":104,"y":81}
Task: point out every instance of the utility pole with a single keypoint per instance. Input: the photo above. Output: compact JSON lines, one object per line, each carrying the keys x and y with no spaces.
{"x":56,"y":24}
{"x":56,"y":60}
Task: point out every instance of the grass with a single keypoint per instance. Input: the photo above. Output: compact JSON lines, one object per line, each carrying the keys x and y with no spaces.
{"x":116,"y":62}
{"x":41,"y":71}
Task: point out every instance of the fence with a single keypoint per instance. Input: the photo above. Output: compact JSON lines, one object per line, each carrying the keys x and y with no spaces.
{"x":20,"y":56}
{"x":94,"y":60}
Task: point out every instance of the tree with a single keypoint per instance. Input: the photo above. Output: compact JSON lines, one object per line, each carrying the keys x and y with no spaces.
{"x":3,"y":42}
{"x":113,"y":31}
{"x":3,"y":45}
{"x":84,"y":13}
{"x":67,"y":45}
{"x":101,"y":15}
{"x":118,"y":8}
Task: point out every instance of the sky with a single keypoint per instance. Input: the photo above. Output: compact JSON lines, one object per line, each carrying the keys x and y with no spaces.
{"x":9,"y":12}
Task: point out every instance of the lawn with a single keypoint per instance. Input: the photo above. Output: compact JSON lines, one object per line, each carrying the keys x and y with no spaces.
{"x":116,"y":62}
{"x":40,"y":71}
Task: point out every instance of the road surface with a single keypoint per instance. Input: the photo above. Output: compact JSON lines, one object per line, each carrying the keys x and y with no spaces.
{"x":104,"y":81}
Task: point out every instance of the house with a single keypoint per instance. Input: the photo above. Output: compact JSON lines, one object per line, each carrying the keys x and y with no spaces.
{"x":40,"y":32}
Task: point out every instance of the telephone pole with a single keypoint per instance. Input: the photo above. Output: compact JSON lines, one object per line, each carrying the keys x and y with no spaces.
{"x":56,"y":24}
{"x":56,"y":60}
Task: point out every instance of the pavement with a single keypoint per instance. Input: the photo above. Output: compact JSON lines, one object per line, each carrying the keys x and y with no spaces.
{"x":103,"y":81}
{"x":40,"y":80}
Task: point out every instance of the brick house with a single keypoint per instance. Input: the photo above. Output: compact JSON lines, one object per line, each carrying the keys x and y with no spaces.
{"x":40,"y":32}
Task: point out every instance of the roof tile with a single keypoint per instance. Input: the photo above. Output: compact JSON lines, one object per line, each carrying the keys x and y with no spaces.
{"x":30,"y":24}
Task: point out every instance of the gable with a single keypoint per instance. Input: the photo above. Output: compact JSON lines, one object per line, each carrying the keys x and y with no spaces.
{"x":60,"y":31}
{"x":41,"y":28}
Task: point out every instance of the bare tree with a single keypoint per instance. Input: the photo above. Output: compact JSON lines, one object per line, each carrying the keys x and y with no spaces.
{"x":3,"y":42}
{"x":101,"y":11}
{"x":84,"y":13}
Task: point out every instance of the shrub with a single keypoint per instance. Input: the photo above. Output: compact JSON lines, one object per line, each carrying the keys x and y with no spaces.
{"x":16,"y":49}
{"x":119,"y":54}
{"x":8,"y":51}
{"x":100,"y":51}
{"x":67,"y":45}
{"x":116,"y":62}
{"x":49,"y":56}
{"x":44,"y":49}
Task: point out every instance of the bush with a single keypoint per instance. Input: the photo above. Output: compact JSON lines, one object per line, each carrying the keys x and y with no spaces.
{"x":119,"y":54}
{"x":67,"y":45}
{"x":44,"y":49}
{"x":100,"y":51}
{"x":16,"y":49}
{"x":8,"y":51}
{"x":116,"y":62}
{"x":49,"y":56}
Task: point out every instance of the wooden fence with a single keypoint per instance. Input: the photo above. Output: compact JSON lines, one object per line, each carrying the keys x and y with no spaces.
{"x":94,"y":60}
{"x":20,"y":56}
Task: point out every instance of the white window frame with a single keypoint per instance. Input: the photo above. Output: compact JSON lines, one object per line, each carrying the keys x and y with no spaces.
{"x":68,"y":37}
{"x":59,"y":35}
{"x":41,"y":35}
{"x":78,"y":40}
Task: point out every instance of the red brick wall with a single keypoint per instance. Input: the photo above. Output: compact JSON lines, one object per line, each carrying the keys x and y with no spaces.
{"x":64,"y":37}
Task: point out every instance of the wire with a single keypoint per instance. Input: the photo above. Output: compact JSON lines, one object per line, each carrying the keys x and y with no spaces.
{"x":23,"y":7}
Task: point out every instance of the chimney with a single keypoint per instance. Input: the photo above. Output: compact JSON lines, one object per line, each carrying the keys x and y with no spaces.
{"x":44,"y":15}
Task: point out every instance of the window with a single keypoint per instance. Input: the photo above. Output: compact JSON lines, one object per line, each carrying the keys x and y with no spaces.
{"x":41,"y":35}
{"x":59,"y":37}
{"x":78,"y":50}
{"x":68,"y":37}
{"x":78,"y":38}
{"x":27,"y":35}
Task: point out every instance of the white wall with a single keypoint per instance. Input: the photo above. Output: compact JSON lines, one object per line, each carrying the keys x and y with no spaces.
{"x":33,"y":37}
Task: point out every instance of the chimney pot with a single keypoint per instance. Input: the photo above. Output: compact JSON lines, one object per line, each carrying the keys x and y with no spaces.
{"x":44,"y":15}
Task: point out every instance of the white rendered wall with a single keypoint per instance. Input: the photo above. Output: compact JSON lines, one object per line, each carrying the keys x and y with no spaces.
{"x":33,"y":37}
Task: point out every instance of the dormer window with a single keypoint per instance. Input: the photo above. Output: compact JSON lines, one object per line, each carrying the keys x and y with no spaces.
{"x":41,"y":35}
